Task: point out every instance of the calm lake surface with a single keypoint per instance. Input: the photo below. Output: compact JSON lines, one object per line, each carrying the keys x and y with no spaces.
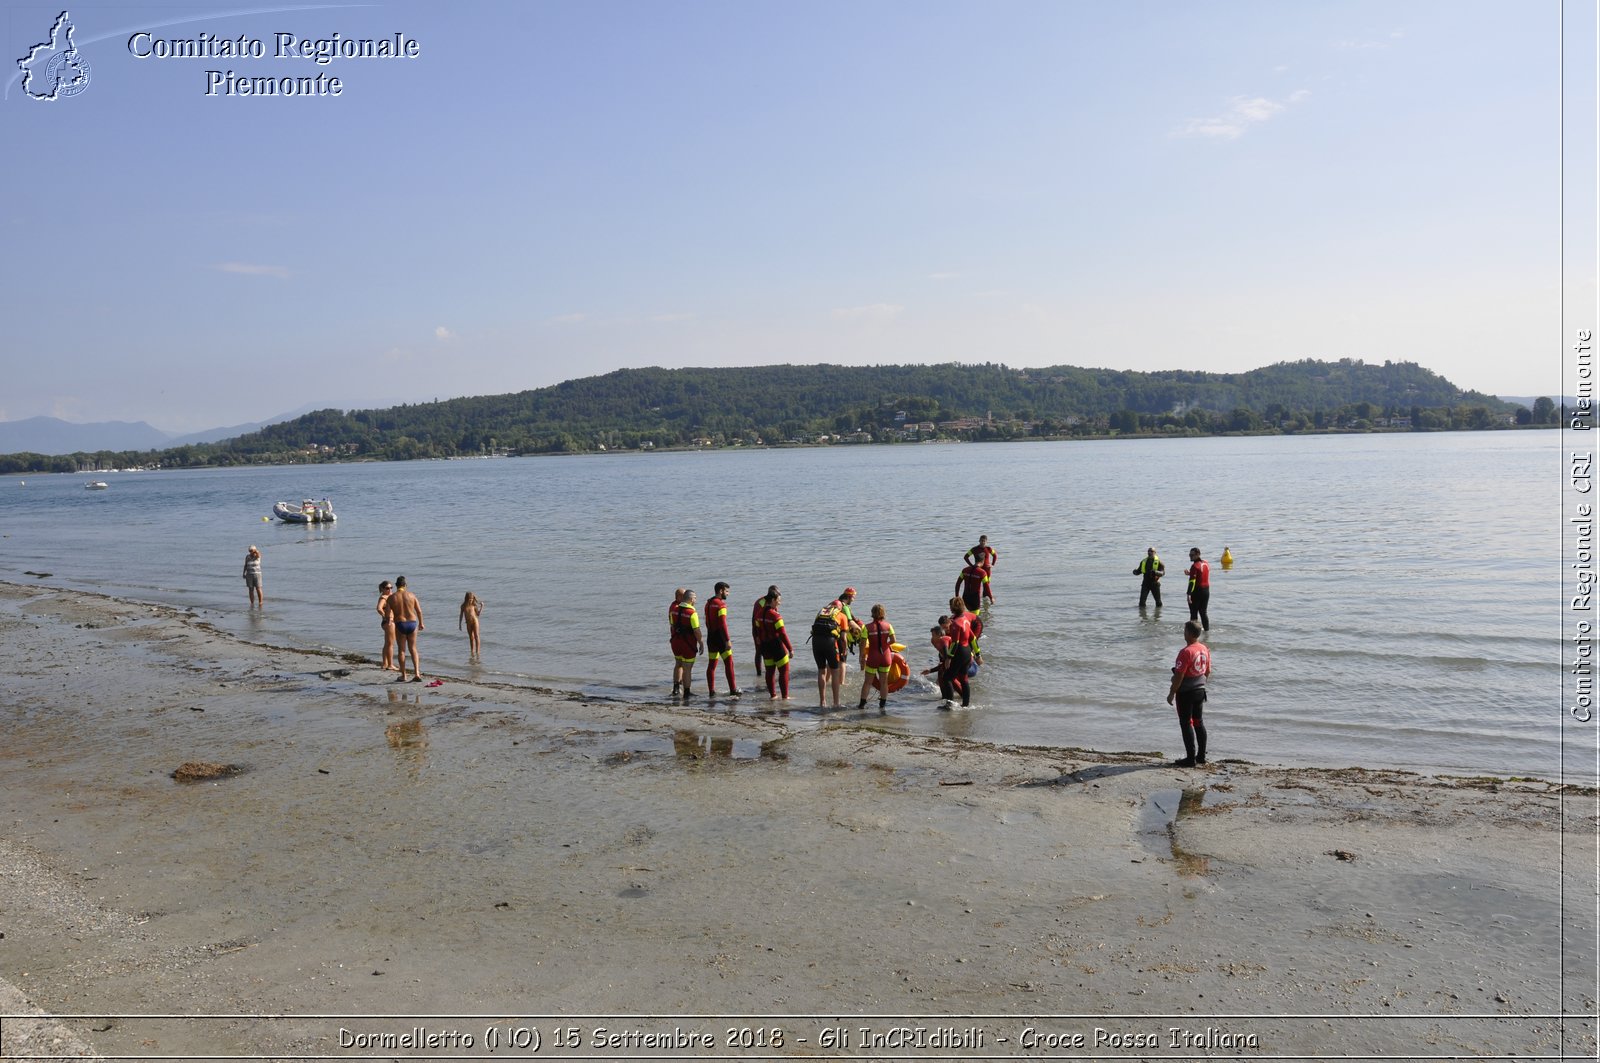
{"x":1395,"y":601}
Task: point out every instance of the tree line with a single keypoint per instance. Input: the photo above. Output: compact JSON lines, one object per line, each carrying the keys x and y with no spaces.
{"x":632,"y":409}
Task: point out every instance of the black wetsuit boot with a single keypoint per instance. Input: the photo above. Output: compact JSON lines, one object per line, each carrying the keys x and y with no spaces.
{"x":1188,"y":743}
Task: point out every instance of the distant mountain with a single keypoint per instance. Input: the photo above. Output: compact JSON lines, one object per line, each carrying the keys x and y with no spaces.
{"x":51,"y":435}
{"x":1528,"y":400}
{"x":216,"y":435}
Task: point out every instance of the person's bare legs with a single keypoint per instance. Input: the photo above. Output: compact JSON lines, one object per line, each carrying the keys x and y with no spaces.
{"x":400,"y":642}
{"x":408,"y":644}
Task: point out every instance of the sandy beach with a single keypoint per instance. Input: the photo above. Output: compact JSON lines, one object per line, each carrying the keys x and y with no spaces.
{"x":473,"y":867}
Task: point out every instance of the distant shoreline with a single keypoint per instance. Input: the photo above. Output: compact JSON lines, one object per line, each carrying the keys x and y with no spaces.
{"x":678,"y":448}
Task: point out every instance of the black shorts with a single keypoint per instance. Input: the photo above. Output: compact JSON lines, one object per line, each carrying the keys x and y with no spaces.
{"x":716,"y":642}
{"x":826,"y":654}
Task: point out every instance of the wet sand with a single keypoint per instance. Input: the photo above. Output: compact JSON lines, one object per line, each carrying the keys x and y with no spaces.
{"x":497,"y":859}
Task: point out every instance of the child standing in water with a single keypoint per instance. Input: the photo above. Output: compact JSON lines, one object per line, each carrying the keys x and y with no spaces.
{"x":471,"y":609}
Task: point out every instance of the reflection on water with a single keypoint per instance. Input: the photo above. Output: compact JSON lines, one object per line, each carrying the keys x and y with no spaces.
{"x":695,"y":745}
{"x":407,"y":734}
{"x":409,"y":740}
{"x":687,"y":745}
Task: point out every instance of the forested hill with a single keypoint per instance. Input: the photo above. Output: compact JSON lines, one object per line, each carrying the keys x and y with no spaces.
{"x":774,"y":404}
{"x":633,"y":408}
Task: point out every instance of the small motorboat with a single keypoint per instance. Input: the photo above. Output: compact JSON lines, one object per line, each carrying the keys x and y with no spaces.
{"x":308,"y":512}
{"x":96,"y":485}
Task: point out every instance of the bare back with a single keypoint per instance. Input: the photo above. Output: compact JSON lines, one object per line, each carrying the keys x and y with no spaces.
{"x":403,"y":606}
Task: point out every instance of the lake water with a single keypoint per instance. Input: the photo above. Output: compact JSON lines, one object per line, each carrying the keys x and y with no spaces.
{"x":1395,"y":602}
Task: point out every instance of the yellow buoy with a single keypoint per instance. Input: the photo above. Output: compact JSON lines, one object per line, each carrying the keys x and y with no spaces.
{"x":1227,"y":558}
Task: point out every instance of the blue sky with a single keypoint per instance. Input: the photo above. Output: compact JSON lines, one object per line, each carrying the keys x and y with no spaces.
{"x":563,"y":188}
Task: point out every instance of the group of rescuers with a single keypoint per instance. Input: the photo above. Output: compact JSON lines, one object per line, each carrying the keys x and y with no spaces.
{"x":835,"y":632}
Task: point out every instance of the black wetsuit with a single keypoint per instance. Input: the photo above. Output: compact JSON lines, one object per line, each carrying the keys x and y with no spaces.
{"x":1151,"y":584}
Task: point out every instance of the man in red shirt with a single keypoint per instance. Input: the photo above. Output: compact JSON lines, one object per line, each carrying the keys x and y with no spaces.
{"x":1188,"y":693}
{"x":719,"y":643}
{"x":1199,"y":573}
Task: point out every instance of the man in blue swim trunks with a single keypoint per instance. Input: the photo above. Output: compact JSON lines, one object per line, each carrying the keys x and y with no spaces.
{"x":403,"y":608}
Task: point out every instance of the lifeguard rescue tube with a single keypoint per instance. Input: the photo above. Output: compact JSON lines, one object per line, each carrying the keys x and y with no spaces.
{"x":899,"y":672}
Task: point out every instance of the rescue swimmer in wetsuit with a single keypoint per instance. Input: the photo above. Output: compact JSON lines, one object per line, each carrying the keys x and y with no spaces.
{"x":687,"y":642}
{"x":1151,"y":569}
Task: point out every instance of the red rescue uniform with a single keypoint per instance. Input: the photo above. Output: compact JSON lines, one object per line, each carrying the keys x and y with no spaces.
{"x":718,"y":641}
{"x":685,"y":632}
{"x":880,"y":636}
{"x":773,"y":638}
{"x":972,"y":580}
